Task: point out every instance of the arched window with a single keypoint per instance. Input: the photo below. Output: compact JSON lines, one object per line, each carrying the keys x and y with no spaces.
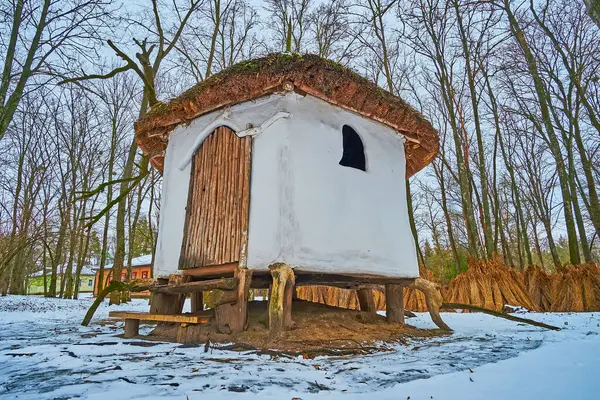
{"x":354,"y":151}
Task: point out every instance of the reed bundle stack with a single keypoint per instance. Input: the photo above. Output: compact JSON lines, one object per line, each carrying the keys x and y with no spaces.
{"x":489,"y":284}
{"x":539,"y":285}
{"x":414,"y":300}
{"x":577,"y":288}
{"x":332,"y":296}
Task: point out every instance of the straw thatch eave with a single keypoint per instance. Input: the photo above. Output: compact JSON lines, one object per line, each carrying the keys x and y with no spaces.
{"x":305,"y":74}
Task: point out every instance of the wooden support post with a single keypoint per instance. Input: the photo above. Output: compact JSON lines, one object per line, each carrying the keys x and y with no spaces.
{"x":132,"y":327}
{"x":433,"y":298}
{"x":288,"y":300}
{"x":394,"y":303}
{"x":232,"y":309}
{"x":280,"y":299}
{"x":213,"y":271}
{"x":197,"y":301}
{"x":366,"y":299}
{"x":162,"y":303}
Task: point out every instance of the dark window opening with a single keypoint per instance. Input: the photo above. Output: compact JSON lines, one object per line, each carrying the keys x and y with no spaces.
{"x":354,"y":151}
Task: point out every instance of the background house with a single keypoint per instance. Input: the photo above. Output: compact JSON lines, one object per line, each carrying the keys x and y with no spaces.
{"x":87,"y":278}
{"x":141,"y":268}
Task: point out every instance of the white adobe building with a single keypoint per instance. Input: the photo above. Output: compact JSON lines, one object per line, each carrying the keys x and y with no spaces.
{"x":287,"y":159}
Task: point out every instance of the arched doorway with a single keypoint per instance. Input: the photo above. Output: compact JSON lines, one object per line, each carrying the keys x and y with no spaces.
{"x":218,"y":201}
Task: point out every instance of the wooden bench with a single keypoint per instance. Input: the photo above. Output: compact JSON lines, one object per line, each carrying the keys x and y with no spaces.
{"x":132,"y":319}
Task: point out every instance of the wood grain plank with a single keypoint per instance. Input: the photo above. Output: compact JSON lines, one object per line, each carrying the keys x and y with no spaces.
{"x":218,"y":201}
{"x":200,"y":286}
{"x":143,"y":316}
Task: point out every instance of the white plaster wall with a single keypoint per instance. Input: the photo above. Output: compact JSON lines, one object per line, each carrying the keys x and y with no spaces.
{"x":305,"y":209}
{"x":308,"y":211}
{"x":176,"y":176}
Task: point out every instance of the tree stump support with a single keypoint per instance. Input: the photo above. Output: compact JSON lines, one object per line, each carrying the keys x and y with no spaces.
{"x":231,"y":310}
{"x":162,"y":303}
{"x":394,"y":303}
{"x":366,"y":299}
{"x":433,"y":298}
{"x":280,"y":297}
{"x":132,"y":328}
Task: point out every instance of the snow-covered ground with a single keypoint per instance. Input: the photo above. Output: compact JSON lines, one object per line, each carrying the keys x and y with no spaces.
{"x":46,"y":354}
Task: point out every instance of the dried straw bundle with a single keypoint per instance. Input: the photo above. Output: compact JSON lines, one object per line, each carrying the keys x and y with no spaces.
{"x":329,"y":295}
{"x":379,"y":298}
{"x":577,"y":288}
{"x":491,"y":285}
{"x":539,"y":287}
{"x":414,"y":300}
{"x":345,"y":298}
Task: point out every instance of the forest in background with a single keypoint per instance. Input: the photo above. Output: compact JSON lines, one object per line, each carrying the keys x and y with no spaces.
{"x":511,"y":86}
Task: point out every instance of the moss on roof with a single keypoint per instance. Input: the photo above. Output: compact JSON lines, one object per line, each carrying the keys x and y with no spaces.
{"x":311,"y":74}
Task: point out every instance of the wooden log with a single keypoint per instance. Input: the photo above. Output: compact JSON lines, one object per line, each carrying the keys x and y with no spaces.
{"x":434,"y":300}
{"x":200,"y":286}
{"x":366,"y":299}
{"x":132,"y":327}
{"x":211,"y":271}
{"x":308,"y":278}
{"x":260,"y":281}
{"x":197,"y":301}
{"x":280,"y":299}
{"x":232,"y":316}
{"x":226,"y":297}
{"x":498,"y":314}
{"x":394,"y":303}
{"x":204,"y":318}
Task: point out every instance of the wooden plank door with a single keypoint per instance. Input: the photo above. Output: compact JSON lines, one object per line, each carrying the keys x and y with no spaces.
{"x":218,"y":201}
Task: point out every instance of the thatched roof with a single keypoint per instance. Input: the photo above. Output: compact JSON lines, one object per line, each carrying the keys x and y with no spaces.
{"x":306,"y":74}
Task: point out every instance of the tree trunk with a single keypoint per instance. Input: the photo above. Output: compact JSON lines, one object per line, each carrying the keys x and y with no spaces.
{"x":117,"y":269}
{"x":553,"y":142}
{"x":486,"y":220}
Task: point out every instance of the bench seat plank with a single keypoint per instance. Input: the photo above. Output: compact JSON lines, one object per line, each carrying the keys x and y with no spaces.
{"x":182,"y":318}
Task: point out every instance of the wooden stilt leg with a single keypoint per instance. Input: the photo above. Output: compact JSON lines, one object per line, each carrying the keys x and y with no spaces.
{"x":280,"y":299}
{"x":162,"y":303}
{"x":197,"y":301}
{"x":132,"y":328}
{"x":394,"y":303}
{"x":434,"y":300}
{"x":232,"y":316}
{"x":269,"y":292}
{"x":366,"y":299}
{"x":288,"y":298}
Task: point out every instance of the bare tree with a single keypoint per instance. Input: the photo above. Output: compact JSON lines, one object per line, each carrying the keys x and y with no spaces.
{"x":290,"y":18}
{"x":146,"y":68}
{"x":40,"y":38}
